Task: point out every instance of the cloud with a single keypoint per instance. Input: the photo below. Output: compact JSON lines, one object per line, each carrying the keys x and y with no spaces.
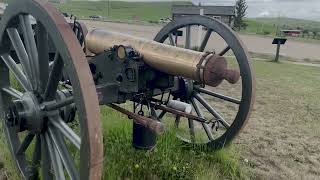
{"x":264,"y":14}
{"x":302,"y":9}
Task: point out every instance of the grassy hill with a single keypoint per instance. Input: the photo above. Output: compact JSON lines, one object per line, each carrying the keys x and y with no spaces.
{"x":290,"y":22}
{"x":141,"y":11}
{"x":258,"y":27}
{"x":272,"y":27}
{"x":153,"y":11}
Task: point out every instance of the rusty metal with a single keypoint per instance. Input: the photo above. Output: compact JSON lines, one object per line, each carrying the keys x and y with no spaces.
{"x":172,"y":60}
{"x":155,"y":126}
{"x":215,"y":71}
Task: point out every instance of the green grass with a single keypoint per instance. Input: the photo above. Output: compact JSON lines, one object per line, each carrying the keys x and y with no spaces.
{"x":138,"y":11}
{"x":290,"y":22}
{"x":257,"y":27}
{"x":153,"y":11}
{"x":169,"y":160}
{"x":273,"y":26}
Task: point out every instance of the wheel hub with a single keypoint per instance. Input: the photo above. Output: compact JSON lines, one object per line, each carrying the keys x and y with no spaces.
{"x":26,"y":113}
{"x":185,"y":89}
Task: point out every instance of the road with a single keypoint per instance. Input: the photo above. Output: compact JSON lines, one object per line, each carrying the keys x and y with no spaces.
{"x":257,"y":44}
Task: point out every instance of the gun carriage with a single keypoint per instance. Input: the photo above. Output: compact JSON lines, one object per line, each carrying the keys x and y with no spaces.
{"x":54,"y":75}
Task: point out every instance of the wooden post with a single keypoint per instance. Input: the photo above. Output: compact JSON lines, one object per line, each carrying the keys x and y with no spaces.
{"x":200,"y":29}
{"x":188,"y":37}
{"x":278,"y":52}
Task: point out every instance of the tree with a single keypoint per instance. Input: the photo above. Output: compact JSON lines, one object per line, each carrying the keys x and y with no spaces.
{"x":314,"y":34}
{"x":241,"y":11}
{"x":305,"y":33}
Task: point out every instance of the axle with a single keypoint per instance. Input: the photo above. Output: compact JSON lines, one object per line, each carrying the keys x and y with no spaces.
{"x":203,"y":67}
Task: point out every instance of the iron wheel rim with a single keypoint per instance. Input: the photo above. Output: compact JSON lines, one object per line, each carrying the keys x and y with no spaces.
{"x":242,"y":57}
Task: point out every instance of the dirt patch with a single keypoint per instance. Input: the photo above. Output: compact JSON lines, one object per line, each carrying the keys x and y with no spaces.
{"x":282,"y":138}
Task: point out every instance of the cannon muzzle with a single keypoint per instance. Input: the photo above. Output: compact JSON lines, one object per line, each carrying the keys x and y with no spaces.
{"x":210,"y":69}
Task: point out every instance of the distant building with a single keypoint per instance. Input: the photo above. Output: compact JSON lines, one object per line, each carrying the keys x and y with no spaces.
{"x":290,"y":32}
{"x":225,"y":14}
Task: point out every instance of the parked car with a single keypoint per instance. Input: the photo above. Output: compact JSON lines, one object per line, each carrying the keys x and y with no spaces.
{"x":165,"y":20}
{"x":95,"y":17}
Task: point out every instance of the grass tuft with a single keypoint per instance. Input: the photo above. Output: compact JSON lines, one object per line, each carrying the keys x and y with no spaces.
{"x":170,"y":159}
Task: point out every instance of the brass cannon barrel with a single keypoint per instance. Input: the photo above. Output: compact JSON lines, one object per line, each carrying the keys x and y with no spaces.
{"x":208,"y":68}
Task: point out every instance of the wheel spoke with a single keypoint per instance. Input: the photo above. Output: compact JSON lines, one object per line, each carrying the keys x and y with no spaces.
{"x":66,"y":131}
{"x":55,"y":158}
{"x":162,"y":114}
{"x":16,"y":71}
{"x":63,"y":151}
{"x":177,"y":121}
{"x":42,"y":46}
{"x":211,"y":110}
{"x":13,"y":92}
{"x":31,"y":46}
{"x":191,"y":130}
{"x":188,"y":37}
{"x":54,"y":78}
{"x":217,"y":95}
{"x":21,"y":53}
{"x":34,"y":174}
{"x":45,"y":159}
{"x":205,"y":40}
{"x":224,"y":51}
{"x":25,"y":144}
{"x":200,"y":114}
{"x":171,"y":40}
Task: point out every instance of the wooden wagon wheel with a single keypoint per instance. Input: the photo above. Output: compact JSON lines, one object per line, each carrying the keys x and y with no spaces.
{"x":222,"y":130}
{"x":33,"y":112}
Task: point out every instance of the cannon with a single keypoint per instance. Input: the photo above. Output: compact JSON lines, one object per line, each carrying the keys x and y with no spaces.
{"x":54,"y":75}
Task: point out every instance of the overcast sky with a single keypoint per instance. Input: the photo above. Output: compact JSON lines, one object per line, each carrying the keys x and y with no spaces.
{"x":302,"y":9}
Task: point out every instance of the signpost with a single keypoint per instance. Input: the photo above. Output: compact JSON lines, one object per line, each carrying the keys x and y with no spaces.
{"x":176,"y":34}
{"x":278,"y":42}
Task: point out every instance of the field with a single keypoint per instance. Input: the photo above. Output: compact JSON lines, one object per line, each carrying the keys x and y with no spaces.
{"x":152,"y":12}
{"x":271,"y":27}
{"x":125,"y":11}
{"x":281,"y":139}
